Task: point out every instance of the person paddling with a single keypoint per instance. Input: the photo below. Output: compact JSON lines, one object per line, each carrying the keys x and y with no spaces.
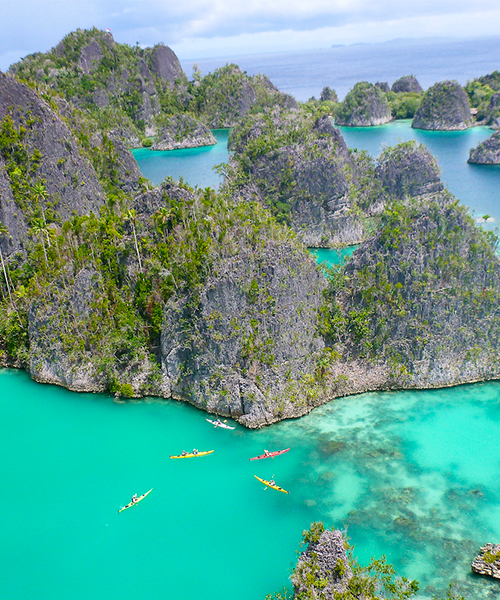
{"x":134,"y":498}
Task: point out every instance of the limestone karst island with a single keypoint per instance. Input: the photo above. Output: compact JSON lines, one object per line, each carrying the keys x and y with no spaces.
{"x":213,"y":297}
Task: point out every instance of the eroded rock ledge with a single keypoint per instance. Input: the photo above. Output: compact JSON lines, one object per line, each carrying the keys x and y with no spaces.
{"x":487,"y":562}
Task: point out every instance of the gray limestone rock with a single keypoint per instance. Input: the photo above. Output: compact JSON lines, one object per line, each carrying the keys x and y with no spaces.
{"x":325,"y":561}
{"x":487,"y":562}
{"x":407,"y":84}
{"x":487,"y":152}
{"x":408,"y":169}
{"x":182,"y":131}
{"x":90,"y":56}
{"x":165,"y":63}
{"x":70,"y":179}
{"x":444,"y":107}
{"x":365,"y":105}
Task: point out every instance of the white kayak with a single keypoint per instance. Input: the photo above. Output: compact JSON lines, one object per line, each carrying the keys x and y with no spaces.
{"x":219,"y":423}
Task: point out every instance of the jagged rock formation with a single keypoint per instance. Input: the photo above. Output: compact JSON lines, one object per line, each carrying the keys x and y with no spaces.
{"x":423,"y":296}
{"x":406,"y":84}
{"x":487,"y":562}
{"x":182,"y":131}
{"x":301,"y":169}
{"x":487,"y":152}
{"x":384,"y":86}
{"x":365,"y":105}
{"x":91,"y":70}
{"x":328,"y":95}
{"x":444,"y":107}
{"x":225,"y":96}
{"x":323,"y":569}
{"x":408,"y":170}
{"x":38,"y":147}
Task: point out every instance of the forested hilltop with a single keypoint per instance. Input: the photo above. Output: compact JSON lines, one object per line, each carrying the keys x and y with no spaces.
{"x":111,"y":284}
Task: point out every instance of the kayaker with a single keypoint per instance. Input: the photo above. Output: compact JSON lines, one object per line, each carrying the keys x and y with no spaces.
{"x":195,"y":451}
{"x":183,"y":453}
{"x":219,"y":422}
{"x":134,"y":498}
{"x":272,"y":482}
{"x":267,"y":453}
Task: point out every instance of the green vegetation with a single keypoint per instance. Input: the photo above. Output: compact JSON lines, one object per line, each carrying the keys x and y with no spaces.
{"x":427,"y":266}
{"x":480,"y":92}
{"x":404,"y":105}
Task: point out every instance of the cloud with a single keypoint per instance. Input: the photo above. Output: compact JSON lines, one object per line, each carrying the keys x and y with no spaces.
{"x":30,"y":25}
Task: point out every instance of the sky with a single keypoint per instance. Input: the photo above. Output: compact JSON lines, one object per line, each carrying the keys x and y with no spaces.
{"x":209,"y":28}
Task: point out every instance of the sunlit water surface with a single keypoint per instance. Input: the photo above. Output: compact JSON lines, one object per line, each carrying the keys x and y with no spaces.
{"x":413,"y":475}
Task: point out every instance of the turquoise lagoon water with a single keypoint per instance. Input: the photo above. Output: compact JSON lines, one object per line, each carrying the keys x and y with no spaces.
{"x":195,"y":165}
{"x":334,"y":256}
{"x":476,"y":186}
{"x":414,"y":475}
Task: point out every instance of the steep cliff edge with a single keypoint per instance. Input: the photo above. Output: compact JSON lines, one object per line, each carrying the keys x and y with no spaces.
{"x":487,"y":152}
{"x":42,"y":166}
{"x":444,"y":107}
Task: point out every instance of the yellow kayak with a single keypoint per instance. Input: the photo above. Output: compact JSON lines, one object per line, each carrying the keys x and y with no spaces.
{"x":272,"y":485}
{"x":139,"y":498}
{"x":191,"y":454}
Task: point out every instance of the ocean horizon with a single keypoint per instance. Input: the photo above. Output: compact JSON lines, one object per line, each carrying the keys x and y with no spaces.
{"x":304,"y":73}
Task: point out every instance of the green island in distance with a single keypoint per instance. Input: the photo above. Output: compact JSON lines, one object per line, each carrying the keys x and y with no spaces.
{"x":110,"y":284}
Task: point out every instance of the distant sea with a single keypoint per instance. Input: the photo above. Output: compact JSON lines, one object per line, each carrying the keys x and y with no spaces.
{"x":303,"y":74}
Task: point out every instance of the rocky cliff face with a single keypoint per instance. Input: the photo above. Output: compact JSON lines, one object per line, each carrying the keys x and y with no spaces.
{"x":37,"y":147}
{"x":365,"y":105}
{"x":182,"y":131}
{"x":406,"y":84}
{"x":444,"y":107}
{"x":408,"y":170}
{"x":323,"y":570}
{"x":487,"y":152}
{"x":422,"y":295}
{"x":91,"y":70}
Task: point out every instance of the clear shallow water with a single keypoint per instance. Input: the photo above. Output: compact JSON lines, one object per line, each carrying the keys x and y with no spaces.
{"x":333,"y":256}
{"x":195,"y":165}
{"x":414,"y":475}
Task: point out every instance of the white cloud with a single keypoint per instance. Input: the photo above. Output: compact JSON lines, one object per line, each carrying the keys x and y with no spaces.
{"x":194,"y":26}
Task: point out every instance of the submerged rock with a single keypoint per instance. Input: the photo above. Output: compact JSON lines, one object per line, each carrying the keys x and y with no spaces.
{"x":444,"y":107}
{"x":487,"y":152}
{"x":487,"y":562}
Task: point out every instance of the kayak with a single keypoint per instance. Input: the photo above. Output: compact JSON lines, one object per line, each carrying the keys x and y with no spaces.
{"x":270,"y":455}
{"x":269,"y":484}
{"x":191,"y":454}
{"x":217,"y":424}
{"x":139,"y":498}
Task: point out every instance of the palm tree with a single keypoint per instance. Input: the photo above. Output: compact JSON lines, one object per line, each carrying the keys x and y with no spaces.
{"x":131,"y":216}
{"x":38,"y":193}
{"x":39,"y":228}
{"x":4,"y":231}
{"x":162,"y":217}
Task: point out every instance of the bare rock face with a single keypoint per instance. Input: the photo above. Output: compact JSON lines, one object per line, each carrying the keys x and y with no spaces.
{"x":408,"y":169}
{"x":487,"y":562}
{"x":444,"y":107}
{"x":54,"y":155}
{"x":165,"y":63}
{"x":182,"y":131}
{"x":90,"y":56}
{"x":365,"y":105}
{"x":487,"y":152}
{"x":323,"y":561}
{"x":407,"y":84}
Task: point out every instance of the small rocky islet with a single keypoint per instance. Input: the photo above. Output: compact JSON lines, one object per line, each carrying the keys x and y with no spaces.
{"x":111,"y":284}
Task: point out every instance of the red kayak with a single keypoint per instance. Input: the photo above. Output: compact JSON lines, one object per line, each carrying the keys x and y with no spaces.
{"x":270,"y":454}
